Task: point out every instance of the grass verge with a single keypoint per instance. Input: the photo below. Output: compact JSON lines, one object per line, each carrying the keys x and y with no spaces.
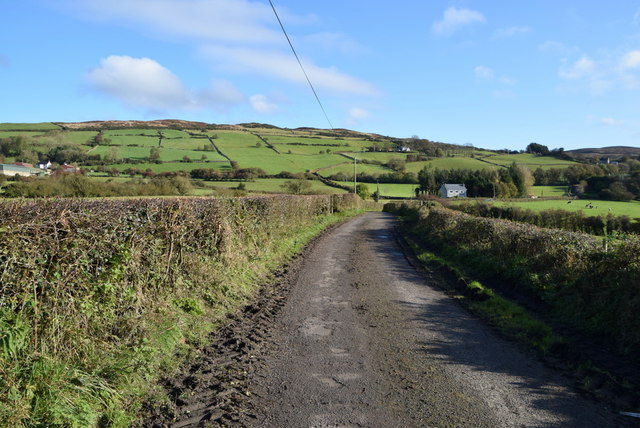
{"x":506,"y":316}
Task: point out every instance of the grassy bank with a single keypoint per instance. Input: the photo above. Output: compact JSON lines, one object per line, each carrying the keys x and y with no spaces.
{"x":582,"y":282}
{"x":507,"y":316}
{"x":99,"y":298}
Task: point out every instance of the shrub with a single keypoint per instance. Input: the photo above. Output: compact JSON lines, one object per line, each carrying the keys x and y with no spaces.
{"x":593,"y":286}
{"x":96,"y":295}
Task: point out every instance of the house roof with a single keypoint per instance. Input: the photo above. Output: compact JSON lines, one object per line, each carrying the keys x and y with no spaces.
{"x":17,"y":168}
{"x":459,"y":187}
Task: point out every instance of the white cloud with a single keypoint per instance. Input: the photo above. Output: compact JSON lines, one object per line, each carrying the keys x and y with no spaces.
{"x":239,"y":21}
{"x":139,"y":82}
{"x":221,"y":96}
{"x":510,"y":32}
{"x":454,"y":19}
{"x":506,"y":80}
{"x":577,"y":70}
{"x":356,"y":115}
{"x":609,"y":121}
{"x":237,"y":36}
{"x":333,"y":42}
{"x":484,"y":73}
{"x":558,"y":48}
{"x":631,"y":60}
{"x":143,"y":82}
{"x":262,"y":104}
{"x":284,"y":66}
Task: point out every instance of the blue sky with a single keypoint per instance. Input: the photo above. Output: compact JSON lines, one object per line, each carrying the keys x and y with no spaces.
{"x":494,"y":74}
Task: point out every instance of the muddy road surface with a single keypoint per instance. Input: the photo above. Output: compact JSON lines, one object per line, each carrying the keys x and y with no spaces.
{"x":359,"y":338}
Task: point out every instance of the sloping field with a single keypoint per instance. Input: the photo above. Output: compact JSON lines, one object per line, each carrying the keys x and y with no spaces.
{"x":382,"y":157}
{"x":530,"y":160}
{"x":347,"y":169}
{"x":78,"y":137}
{"x":173,"y":166}
{"x":44,"y":126}
{"x":549,"y":191}
{"x":631,"y":208}
{"x":26,"y":134}
{"x":306,"y":149}
{"x":274,"y":185}
{"x":166,"y":154}
{"x":147,"y":140}
{"x":392,"y":190}
{"x":187,"y":143}
{"x":457,"y":162}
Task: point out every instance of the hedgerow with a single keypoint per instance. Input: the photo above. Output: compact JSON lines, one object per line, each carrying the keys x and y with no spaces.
{"x":590,"y":284}
{"x":556,"y":218}
{"x":97,"y":296}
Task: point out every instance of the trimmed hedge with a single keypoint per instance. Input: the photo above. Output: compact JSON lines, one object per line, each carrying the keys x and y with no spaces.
{"x":555,"y":218}
{"x":96,"y":296}
{"x":593,"y":285}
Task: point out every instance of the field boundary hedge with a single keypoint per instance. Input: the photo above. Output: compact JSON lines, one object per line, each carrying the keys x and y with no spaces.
{"x":592,"y":287}
{"x":575,"y":221}
{"x":98,"y":297}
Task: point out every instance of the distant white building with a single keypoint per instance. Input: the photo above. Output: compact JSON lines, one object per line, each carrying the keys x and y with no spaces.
{"x":453,"y":191}
{"x":44,"y":165}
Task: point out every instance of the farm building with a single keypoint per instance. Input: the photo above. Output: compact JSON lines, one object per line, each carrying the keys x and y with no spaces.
{"x":453,"y":191}
{"x":23,"y":171}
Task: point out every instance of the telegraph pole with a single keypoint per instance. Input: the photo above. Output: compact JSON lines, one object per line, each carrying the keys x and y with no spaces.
{"x":354,"y":175}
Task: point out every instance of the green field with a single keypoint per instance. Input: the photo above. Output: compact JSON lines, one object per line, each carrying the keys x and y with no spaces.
{"x":131,"y":132}
{"x":131,"y":140}
{"x":549,"y":191}
{"x":296,"y":151}
{"x":392,"y":190}
{"x":187,"y":143}
{"x":530,"y":160}
{"x":172,"y":166}
{"x":600,"y":208}
{"x":166,"y":155}
{"x":44,"y":126}
{"x":243,"y":149}
{"x":347,"y":169}
{"x":26,"y":134}
{"x":458,"y":162}
{"x":174,"y":133}
{"x":306,"y":150}
{"x":382,"y":157}
{"x":274,"y":185}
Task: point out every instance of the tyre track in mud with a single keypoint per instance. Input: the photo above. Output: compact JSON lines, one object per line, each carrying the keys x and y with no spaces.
{"x":353,"y":335}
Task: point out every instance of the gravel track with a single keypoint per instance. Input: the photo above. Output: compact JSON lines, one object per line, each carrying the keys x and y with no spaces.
{"x":354,"y":336}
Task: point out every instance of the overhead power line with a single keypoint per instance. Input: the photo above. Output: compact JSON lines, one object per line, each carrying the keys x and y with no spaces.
{"x":300,"y":63}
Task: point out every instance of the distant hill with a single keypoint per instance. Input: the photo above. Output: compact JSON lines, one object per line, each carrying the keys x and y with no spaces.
{"x":126,"y":124}
{"x":611,"y":152}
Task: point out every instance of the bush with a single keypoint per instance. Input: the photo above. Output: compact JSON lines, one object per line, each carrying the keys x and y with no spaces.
{"x":96,"y":295}
{"x":594,"y":287}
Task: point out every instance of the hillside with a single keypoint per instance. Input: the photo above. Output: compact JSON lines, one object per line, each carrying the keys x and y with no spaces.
{"x":614,"y":152}
{"x":208,"y":152}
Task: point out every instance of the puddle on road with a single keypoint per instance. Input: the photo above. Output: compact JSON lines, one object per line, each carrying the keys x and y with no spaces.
{"x":315,"y":327}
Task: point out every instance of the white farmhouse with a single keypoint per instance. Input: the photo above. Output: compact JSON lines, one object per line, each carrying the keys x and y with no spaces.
{"x":453,"y":191}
